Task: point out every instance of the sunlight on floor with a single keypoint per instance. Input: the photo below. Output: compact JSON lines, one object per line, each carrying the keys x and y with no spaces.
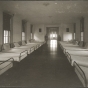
{"x":53,"y":45}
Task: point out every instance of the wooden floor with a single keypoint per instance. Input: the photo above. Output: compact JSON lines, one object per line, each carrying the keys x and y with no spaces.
{"x":47,"y":67}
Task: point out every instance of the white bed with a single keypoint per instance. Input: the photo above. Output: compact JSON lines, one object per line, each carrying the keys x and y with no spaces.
{"x":70,"y":46}
{"x":78,"y":57}
{"x":30,"y":47}
{"x":76,"y":49}
{"x":68,"y":49}
{"x":5,"y":65}
{"x":81,"y":60}
{"x":65,"y":44}
{"x":82,"y":73}
{"x":78,"y":53}
{"x":17,"y":54}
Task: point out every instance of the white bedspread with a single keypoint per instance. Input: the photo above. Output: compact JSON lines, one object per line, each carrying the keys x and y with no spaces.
{"x":78,"y":53}
{"x":6,"y":56}
{"x":85,"y":70}
{"x":83,"y":61}
{"x":75,"y":48}
{"x":65,"y":44}
{"x":24,"y":47}
{"x":14,"y":50}
{"x":4,"y":64}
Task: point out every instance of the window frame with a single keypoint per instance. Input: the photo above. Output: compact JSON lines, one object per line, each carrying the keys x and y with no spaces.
{"x":23,"y":36}
{"x":31,"y":31}
{"x":7,"y":36}
{"x":82,"y":36}
{"x":7,"y":18}
{"x":82,"y":29}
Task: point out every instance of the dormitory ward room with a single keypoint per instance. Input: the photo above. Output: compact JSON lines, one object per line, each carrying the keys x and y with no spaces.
{"x":44,"y":44}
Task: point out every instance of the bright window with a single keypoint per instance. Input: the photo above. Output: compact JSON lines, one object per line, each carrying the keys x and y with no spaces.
{"x":81,"y":36}
{"x":53,"y":45}
{"x":74,"y":36}
{"x":53,"y":35}
{"x":23,"y":30}
{"x":31,"y":35}
{"x":6,"y":27}
{"x":6,"y":36}
{"x":50,"y":35}
{"x":23,"y":35}
{"x":31,"y":32}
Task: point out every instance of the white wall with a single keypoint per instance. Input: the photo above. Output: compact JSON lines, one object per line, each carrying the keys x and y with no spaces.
{"x":39,"y":36}
{"x":66,"y":35}
{"x":17,"y":28}
{"x":28,"y":34}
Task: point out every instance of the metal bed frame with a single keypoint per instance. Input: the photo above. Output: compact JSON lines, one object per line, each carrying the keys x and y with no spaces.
{"x":7,"y":66}
{"x":80,"y":74}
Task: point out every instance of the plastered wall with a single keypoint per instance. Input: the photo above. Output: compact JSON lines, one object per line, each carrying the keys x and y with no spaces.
{"x":17,"y":28}
{"x":39,"y":36}
{"x":28,"y":34}
{"x":66,"y":35}
{"x":62,"y":31}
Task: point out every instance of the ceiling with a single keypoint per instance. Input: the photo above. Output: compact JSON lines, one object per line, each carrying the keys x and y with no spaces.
{"x":47,"y":12}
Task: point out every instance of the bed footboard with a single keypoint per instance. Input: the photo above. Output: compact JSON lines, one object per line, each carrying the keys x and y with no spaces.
{"x":5,"y":65}
{"x":23,"y":55}
{"x":68,"y":57}
{"x":80,"y":73}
